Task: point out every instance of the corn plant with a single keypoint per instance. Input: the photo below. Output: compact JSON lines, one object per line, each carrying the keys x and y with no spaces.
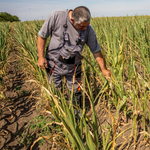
{"x":59,"y":108}
{"x":5,"y":47}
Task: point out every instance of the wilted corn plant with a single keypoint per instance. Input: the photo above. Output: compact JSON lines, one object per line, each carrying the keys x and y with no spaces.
{"x":138,"y":62}
{"x":125,"y":44}
{"x":63,"y":111}
{"x":116,"y":59}
{"x":5,"y":47}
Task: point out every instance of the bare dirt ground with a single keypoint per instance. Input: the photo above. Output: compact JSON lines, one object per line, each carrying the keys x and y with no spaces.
{"x":19,"y":108}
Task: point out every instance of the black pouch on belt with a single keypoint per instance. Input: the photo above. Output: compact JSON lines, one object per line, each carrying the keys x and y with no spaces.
{"x":67,"y":61}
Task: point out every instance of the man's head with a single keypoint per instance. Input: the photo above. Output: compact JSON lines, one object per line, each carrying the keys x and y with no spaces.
{"x":81,"y":17}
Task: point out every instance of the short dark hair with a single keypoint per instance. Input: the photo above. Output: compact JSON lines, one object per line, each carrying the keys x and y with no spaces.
{"x":81,"y":14}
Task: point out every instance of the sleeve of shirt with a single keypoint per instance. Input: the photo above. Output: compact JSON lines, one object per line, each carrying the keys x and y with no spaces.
{"x":91,"y":40}
{"x":47,"y":27}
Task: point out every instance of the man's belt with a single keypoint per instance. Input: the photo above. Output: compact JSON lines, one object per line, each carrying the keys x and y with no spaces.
{"x":67,"y":61}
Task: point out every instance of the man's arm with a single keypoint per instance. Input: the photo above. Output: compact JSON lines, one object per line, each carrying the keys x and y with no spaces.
{"x":99,"y":58}
{"x":41,"y":47}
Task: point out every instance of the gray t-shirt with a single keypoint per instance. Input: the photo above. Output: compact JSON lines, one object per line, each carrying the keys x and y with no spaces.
{"x":53,"y":26}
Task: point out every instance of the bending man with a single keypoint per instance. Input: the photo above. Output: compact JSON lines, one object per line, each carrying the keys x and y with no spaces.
{"x":69,"y":31}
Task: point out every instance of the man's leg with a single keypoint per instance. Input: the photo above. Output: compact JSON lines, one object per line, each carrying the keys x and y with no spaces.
{"x":77,"y":96}
{"x":54,"y":76}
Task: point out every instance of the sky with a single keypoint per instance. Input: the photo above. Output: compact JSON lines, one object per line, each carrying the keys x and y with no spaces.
{"x":28,"y":10}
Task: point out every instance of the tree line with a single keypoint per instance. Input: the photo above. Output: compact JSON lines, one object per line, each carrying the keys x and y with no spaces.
{"x":4,"y":16}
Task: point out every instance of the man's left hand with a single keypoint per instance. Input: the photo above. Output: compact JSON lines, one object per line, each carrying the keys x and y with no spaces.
{"x":106,"y":74}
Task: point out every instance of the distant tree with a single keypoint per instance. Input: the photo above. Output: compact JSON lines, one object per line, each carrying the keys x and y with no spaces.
{"x":15,"y":18}
{"x":4,"y":16}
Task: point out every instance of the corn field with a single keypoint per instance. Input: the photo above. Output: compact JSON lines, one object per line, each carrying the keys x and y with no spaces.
{"x":125,"y":44}
{"x":5,"y":47}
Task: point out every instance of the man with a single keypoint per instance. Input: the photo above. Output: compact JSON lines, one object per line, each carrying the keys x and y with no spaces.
{"x":69,"y":31}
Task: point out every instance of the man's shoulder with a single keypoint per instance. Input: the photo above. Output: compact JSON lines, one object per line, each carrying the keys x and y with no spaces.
{"x":90,"y":27}
{"x":58,"y":12}
{"x":89,"y":30}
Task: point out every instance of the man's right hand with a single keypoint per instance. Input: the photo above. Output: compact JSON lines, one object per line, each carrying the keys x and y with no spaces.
{"x":42,"y":62}
{"x":41,"y":47}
